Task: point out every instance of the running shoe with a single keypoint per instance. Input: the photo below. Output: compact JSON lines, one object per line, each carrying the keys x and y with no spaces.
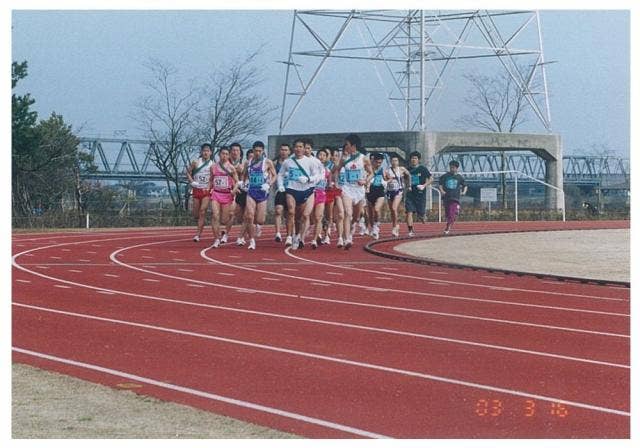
{"x":395,"y":231}
{"x":348,"y":245}
{"x":375,"y":234}
{"x":216,"y":243}
{"x":412,"y":233}
{"x":289,"y":241}
{"x":446,"y":231}
{"x":295,"y":243}
{"x":301,"y":243}
{"x":278,"y":237}
{"x":196,"y":238}
{"x":252,"y":244}
{"x":326,"y":240}
{"x":314,"y":244}
{"x":258,"y":231}
{"x":340,"y":242}
{"x":240,"y":241}
{"x":224,"y":238}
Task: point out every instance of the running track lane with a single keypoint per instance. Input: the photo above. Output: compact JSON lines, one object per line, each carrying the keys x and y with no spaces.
{"x":508,"y":423}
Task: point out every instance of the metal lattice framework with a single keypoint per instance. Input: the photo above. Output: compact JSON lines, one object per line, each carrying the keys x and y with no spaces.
{"x":416,"y":49}
{"x":119,"y":159}
{"x":126,"y":165}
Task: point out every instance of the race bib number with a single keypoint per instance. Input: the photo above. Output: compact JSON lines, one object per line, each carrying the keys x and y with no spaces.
{"x":221,"y":182}
{"x":294,"y":174}
{"x":202,"y":178}
{"x":451,"y":183}
{"x":393,"y":185}
{"x":377,"y":180}
{"x":341,"y":178}
{"x":256,"y":179}
{"x":415,"y":179}
{"x":353,"y":176}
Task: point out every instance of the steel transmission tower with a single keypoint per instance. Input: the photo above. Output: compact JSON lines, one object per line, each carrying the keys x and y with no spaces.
{"x":415,"y":49}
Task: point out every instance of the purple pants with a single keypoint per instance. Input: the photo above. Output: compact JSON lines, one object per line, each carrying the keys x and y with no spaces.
{"x":451,"y":210}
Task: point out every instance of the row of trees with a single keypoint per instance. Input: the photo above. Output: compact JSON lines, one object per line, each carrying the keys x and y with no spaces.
{"x":218,"y":109}
{"x":46,"y":156}
{"x":45,"y":159}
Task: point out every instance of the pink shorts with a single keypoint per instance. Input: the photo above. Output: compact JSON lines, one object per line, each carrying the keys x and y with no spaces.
{"x":320,"y":197}
{"x":221,"y":197}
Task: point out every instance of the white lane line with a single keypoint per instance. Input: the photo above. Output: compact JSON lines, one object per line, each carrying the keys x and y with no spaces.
{"x":194,"y":285}
{"x":148,"y":266}
{"x":19,"y":245}
{"x":75,"y":270}
{"x":433,"y":294}
{"x":210,"y":396}
{"x":271,"y":279}
{"x":226,"y":273}
{"x":474,"y":285}
{"x":235,"y":256}
{"x":336,"y":360}
{"x":62,"y":286}
{"x":91,"y":252}
{"x":96,"y":245}
{"x":29,"y":255}
{"x":109,"y":293}
{"x":148,"y":257}
{"x":151,"y":280}
{"x":174,"y":252}
{"x":246,"y":291}
{"x":289,"y":269}
{"x":42,"y":267}
{"x":293,"y":296}
{"x":185,"y":270}
{"x":268,"y":259}
{"x":111,"y":275}
{"x":178,"y":259}
{"x":23,"y":281}
{"x":84,"y":260}
{"x":501,"y":288}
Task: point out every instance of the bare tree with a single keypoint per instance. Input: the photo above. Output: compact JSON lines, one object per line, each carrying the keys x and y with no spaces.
{"x":167,"y":116}
{"x":496,"y":104}
{"x":233,"y":109}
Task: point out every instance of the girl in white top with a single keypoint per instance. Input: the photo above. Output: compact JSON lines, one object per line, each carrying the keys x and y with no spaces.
{"x":358,"y":173}
{"x":395,"y":176}
{"x":198,"y":174}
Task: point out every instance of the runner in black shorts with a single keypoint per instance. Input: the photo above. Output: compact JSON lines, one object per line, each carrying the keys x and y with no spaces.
{"x":281,"y":197}
{"x":416,"y":196}
{"x":375,"y":195}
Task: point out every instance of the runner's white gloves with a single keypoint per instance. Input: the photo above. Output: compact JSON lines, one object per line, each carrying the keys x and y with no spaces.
{"x":281,"y":188}
{"x":421,"y":187}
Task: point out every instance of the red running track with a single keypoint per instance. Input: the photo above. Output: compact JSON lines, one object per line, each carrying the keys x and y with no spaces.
{"x":328,"y":343}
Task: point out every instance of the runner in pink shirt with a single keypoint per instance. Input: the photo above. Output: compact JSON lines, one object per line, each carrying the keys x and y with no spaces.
{"x":224,"y":185}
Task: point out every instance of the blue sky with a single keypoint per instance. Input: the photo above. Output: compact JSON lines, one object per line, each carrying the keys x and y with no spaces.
{"x":88,"y":66}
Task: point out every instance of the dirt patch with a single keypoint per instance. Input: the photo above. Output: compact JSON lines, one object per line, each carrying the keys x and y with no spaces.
{"x":51,"y":405}
{"x":595,"y":254}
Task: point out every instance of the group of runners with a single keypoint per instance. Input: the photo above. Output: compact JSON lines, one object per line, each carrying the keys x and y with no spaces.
{"x":317,"y":193}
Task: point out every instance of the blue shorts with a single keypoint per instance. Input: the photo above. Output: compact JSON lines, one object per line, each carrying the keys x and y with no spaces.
{"x":301,"y":196}
{"x":391,"y":195}
{"x":258,"y":194}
